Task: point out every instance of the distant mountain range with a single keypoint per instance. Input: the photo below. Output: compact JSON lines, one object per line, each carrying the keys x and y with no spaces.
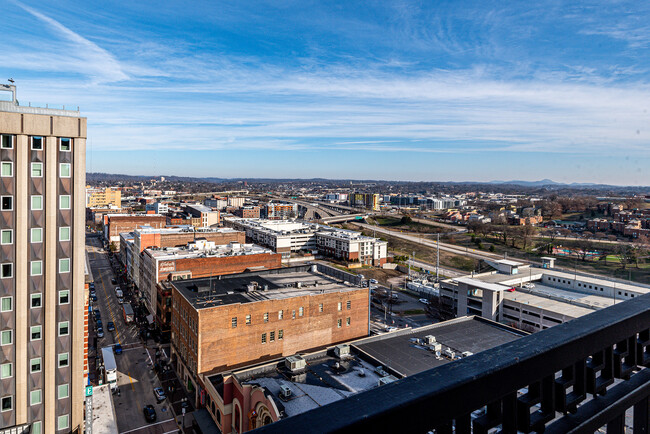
{"x":547,"y":182}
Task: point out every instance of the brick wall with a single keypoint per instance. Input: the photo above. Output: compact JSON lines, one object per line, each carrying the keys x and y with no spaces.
{"x":221,"y":346}
{"x":215,"y":266}
{"x":119,"y":224}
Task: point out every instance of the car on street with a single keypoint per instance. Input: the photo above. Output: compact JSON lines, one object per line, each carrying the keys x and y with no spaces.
{"x":117,"y":349}
{"x":100,"y":332}
{"x":93,"y":297}
{"x":424,"y":300}
{"x":159,"y":393}
{"x":113,"y":281}
{"x":110,"y":326}
{"x":373,"y":281}
{"x":149,"y":413}
{"x":98,"y":316}
{"x":99,"y":324}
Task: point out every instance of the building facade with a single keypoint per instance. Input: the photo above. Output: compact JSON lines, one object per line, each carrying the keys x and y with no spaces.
{"x":115,"y":224}
{"x":103,"y":197}
{"x":42,"y":293}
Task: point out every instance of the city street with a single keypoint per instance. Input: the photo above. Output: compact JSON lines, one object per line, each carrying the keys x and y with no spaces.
{"x":136,"y":378}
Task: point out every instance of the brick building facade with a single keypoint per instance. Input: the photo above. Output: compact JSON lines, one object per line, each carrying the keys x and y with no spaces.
{"x":115,"y":224}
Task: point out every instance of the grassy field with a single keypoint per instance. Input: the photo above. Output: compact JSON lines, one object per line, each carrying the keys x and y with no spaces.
{"x":396,"y":223}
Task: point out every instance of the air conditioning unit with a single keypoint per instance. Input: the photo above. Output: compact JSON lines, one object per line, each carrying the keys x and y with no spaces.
{"x":285,"y":391}
{"x":295,"y":363}
{"x":342,"y":351}
{"x":467,"y":353}
{"x":387,"y":380}
{"x":430,"y":339}
{"x":449,"y":353}
{"x":436,"y":346}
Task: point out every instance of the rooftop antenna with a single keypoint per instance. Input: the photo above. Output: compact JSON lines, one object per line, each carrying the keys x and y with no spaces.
{"x":11,"y":80}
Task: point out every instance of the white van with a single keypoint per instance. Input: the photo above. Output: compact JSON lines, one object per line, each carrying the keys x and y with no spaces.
{"x":118,"y":293}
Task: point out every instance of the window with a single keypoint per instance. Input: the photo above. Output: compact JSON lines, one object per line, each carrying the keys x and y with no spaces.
{"x":64,"y":265}
{"x":7,"y":236}
{"x":280,"y":334}
{"x":6,"y":337}
{"x":248,"y":319}
{"x":7,"y":270}
{"x":293,"y":314}
{"x":266,"y":317}
{"x":37,"y":203}
{"x":64,"y":201}
{"x":36,"y":428}
{"x":62,"y":422}
{"x":35,"y":365}
{"x":36,"y":300}
{"x":64,"y":328}
{"x":6,"y":304}
{"x":349,"y":305}
{"x":37,"y":143}
{"x":234,"y":322}
{"x":339,"y":322}
{"x":7,"y":142}
{"x":347,"y":321}
{"x":64,"y":391}
{"x":320,"y":307}
{"x":35,"y":333}
{"x":7,"y":169}
{"x":280,"y":314}
{"x":64,"y":170}
{"x":263,"y":338}
{"x":7,"y":403}
{"x":37,"y":170}
{"x":36,"y":268}
{"x":64,"y":233}
{"x":7,"y":203}
{"x":340,"y":306}
{"x":64,"y":296}
{"x":301,"y":311}
{"x":66,"y":144}
{"x":63,"y":360}
{"x":37,"y":235}
{"x":6,"y":370}
{"x":35,"y":397}
{"x":272,"y":336}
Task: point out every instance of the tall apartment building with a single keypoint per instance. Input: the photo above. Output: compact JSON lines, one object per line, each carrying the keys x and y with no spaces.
{"x":365,"y":200}
{"x":281,"y":211}
{"x":103,"y":197}
{"x":42,"y":198}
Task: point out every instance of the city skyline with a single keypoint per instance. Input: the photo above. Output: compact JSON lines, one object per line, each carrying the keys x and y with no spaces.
{"x":395,"y":92}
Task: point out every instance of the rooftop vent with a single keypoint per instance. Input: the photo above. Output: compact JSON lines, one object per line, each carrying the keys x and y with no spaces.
{"x":295,"y":363}
{"x":342,"y":351}
{"x":285,"y":392}
{"x":430,"y":339}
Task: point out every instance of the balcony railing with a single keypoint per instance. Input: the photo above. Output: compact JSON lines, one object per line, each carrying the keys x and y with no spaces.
{"x":578,"y":376}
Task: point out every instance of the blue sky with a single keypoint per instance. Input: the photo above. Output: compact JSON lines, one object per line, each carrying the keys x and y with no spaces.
{"x":398,"y":90}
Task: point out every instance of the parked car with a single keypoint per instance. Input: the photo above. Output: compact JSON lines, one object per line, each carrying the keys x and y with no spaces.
{"x":424,"y":300}
{"x":93,"y":297}
{"x":100,"y":332}
{"x":99,"y":324}
{"x":98,"y":316}
{"x":149,"y":413}
{"x":159,"y":393}
{"x":117,"y":349}
{"x":110,"y":326}
{"x":113,"y":281}
{"x":374,"y":281}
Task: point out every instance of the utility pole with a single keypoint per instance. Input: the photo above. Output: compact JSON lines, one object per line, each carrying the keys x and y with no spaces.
{"x":437,"y":255}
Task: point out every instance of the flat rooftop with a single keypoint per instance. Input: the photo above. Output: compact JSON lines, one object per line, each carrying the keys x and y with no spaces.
{"x":232,"y":249}
{"x":402,"y":352}
{"x":549,"y":304}
{"x":480,"y":283}
{"x":277,"y":284}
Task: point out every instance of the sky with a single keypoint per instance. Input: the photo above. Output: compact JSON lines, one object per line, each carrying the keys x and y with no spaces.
{"x":391,"y":90}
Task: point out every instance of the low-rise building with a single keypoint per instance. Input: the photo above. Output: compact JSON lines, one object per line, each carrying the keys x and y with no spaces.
{"x":281,"y":211}
{"x":289,"y":236}
{"x":208,"y":217}
{"x":248,"y":212}
{"x":157,"y":207}
{"x":103,"y":197}
{"x":533,"y":298}
{"x":115,"y":224}
{"x":238,"y":319}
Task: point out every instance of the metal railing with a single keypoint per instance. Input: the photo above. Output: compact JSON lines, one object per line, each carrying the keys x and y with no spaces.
{"x":575,"y":377}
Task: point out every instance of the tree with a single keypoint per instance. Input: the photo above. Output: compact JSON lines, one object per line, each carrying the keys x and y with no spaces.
{"x":406,"y":220}
{"x":527,"y":233}
{"x":584,"y":247}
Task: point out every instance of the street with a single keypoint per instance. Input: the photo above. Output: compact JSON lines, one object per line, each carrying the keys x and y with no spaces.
{"x":136,"y":378}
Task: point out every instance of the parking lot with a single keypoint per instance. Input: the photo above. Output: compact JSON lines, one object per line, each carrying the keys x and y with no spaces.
{"x":136,"y":378}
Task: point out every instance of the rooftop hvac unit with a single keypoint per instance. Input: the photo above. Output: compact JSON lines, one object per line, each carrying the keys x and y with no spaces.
{"x":285,"y":392}
{"x":342,"y":351}
{"x":380,"y":371}
{"x":436,"y":346}
{"x":298,"y":284}
{"x":387,"y":380}
{"x":467,"y":353}
{"x":295,"y":363}
{"x":430,"y":339}
{"x":449,"y":353}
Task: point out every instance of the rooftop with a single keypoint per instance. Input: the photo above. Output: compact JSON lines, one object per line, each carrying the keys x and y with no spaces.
{"x":14,"y":107}
{"x":255,"y":286}
{"x":211,"y":250}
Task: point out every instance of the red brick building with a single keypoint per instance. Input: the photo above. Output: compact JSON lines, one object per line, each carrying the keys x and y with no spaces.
{"x":115,"y":224}
{"x":219,"y":324}
{"x":248,"y":212}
